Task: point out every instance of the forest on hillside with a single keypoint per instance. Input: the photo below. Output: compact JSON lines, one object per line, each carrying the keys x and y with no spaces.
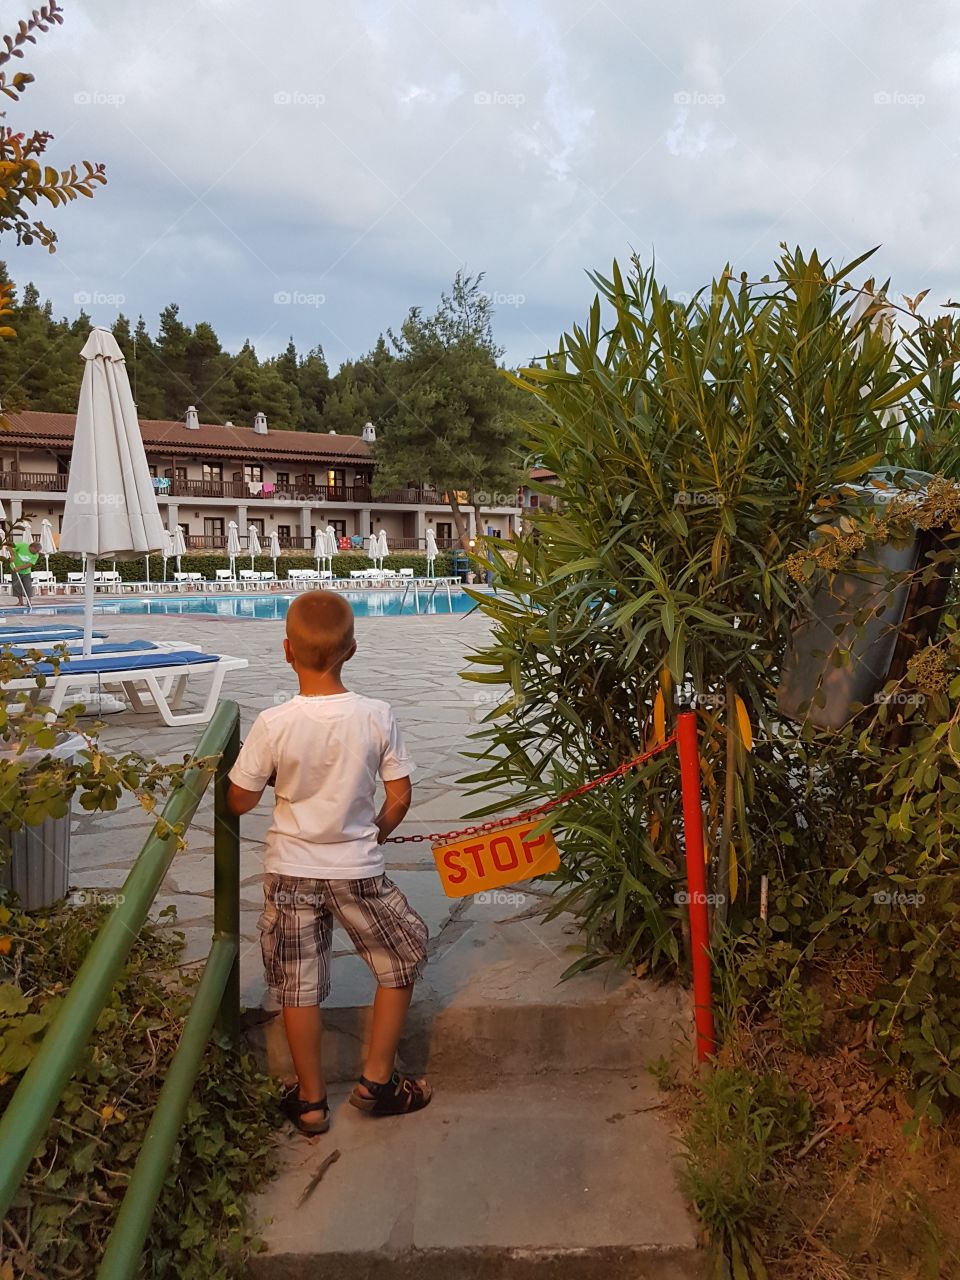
{"x":178,"y":365}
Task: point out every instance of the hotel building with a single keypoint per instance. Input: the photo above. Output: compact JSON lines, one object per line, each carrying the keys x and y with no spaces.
{"x":205,"y":476}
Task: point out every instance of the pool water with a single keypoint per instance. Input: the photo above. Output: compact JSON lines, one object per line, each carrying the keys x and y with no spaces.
{"x":365,"y":604}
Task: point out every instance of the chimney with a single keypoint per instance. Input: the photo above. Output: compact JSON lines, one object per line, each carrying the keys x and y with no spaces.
{"x":260,"y":424}
{"x":193,"y":419}
{"x":370,"y":433}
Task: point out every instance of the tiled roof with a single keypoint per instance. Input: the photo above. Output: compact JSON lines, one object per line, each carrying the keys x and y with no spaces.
{"x":542,"y":473}
{"x":55,"y":431}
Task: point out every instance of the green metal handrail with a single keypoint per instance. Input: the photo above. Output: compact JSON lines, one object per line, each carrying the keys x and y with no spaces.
{"x":216,"y":1002}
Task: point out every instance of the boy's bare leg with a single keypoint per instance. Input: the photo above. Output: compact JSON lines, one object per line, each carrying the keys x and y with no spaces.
{"x":304,"y":1028}
{"x":390,"y":1006}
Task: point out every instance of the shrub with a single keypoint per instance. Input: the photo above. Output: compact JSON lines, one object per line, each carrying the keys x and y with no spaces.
{"x":206,"y":563}
{"x":69,"y":1199}
{"x":699,"y":448}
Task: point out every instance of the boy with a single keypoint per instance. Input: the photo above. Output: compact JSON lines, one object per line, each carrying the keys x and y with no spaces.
{"x":322,"y":752}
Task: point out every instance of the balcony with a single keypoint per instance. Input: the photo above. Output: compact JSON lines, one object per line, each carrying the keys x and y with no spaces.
{"x":33,"y":481}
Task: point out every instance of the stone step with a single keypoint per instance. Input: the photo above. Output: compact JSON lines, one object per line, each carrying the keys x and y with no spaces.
{"x":491,"y":1006}
{"x":562,"y":1178}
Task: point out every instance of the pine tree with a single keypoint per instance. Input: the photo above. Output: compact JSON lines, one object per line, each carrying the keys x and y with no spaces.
{"x":451,"y":422}
{"x":313,"y":383}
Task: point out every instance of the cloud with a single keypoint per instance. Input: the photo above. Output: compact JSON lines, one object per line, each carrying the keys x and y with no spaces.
{"x":364,"y":152}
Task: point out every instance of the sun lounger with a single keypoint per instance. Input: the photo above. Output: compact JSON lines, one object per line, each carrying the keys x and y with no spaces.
{"x":165,"y":674}
{"x":74,"y":648}
{"x":23,"y":635}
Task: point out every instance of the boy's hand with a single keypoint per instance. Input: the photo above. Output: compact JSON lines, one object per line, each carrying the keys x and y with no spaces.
{"x":395,"y":806}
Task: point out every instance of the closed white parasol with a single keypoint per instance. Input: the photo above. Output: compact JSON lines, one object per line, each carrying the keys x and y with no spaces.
{"x":111,"y":509}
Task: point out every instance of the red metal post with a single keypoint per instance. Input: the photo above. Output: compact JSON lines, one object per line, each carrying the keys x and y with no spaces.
{"x":696,"y":882}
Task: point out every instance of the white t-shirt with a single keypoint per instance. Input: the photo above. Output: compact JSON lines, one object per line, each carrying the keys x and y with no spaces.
{"x":327,"y":753}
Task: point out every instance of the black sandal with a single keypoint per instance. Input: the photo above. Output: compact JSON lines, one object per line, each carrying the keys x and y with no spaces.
{"x":399,"y":1096}
{"x":292,"y":1106}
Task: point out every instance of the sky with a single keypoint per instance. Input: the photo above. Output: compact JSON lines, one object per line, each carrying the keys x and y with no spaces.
{"x":314,"y":169}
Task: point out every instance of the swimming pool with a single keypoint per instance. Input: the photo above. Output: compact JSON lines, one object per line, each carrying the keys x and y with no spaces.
{"x":365,"y":604}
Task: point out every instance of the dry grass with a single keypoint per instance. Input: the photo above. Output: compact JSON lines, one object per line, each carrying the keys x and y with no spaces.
{"x":867,"y":1196}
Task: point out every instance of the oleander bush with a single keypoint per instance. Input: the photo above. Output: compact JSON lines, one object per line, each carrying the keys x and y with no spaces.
{"x":704,"y":452}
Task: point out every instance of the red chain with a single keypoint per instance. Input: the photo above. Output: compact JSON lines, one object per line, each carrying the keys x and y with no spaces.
{"x":564,"y":796}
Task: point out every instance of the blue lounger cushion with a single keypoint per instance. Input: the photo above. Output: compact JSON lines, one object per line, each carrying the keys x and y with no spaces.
{"x":106,"y":665}
{"x":45,"y":633}
{"x":118,"y":647}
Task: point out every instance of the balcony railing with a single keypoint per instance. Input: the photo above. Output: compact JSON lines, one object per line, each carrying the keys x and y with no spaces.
{"x":243,"y":491}
{"x":33,"y":481}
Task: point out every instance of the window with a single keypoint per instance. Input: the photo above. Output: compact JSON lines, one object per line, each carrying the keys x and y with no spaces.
{"x":339,"y":527}
{"x":283,"y":534}
{"x":283,"y":477}
{"x":153,"y":470}
{"x":445,"y":532}
{"x":213,"y":527}
{"x":336,"y":478}
{"x":257,"y":523}
{"x":181,"y":473}
{"x":253,"y":473}
{"x":185,"y":530}
{"x":212,"y":471}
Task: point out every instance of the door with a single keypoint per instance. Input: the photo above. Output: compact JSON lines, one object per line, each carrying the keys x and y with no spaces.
{"x":213,"y":532}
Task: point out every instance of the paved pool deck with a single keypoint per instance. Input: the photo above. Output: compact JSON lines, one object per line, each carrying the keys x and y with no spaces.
{"x":412,"y":662}
{"x":547,"y":1151}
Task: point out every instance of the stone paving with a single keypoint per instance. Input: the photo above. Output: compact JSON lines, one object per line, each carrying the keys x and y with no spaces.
{"x":566,"y":1171}
{"x":412,"y":662}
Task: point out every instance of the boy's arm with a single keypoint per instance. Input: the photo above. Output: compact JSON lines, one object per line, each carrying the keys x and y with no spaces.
{"x":240,"y":800}
{"x":396,"y":802}
{"x":254,"y":770}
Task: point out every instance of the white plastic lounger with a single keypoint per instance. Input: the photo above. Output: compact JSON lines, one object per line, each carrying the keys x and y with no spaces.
{"x":164,"y":673}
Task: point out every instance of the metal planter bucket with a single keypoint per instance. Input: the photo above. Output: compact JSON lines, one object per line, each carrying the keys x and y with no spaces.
{"x":38,"y":869}
{"x":833,"y":663}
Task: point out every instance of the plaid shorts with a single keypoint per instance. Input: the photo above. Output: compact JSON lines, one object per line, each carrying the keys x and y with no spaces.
{"x":296,"y":932}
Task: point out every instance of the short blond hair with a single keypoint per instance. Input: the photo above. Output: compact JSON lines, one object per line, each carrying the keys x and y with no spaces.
{"x":320,"y":630}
